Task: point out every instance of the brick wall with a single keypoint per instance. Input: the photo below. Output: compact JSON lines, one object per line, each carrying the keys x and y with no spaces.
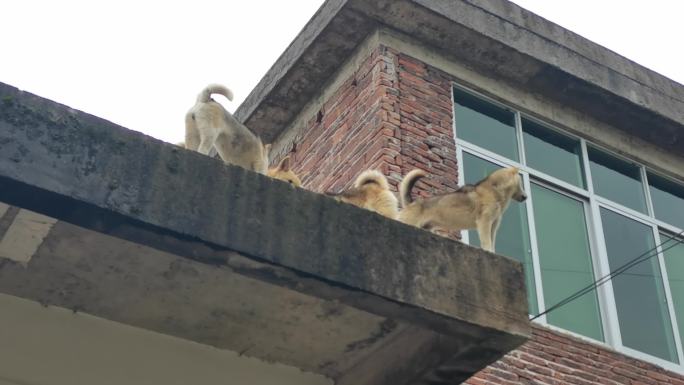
{"x":347,"y":134}
{"x":557,"y":359}
{"x":394,"y":113}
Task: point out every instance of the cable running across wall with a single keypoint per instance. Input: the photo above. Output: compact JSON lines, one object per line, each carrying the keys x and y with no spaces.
{"x":620,"y":270}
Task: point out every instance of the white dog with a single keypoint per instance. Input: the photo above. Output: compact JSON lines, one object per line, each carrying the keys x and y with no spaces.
{"x":208,"y":125}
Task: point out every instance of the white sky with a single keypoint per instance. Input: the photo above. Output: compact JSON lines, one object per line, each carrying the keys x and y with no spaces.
{"x":141,"y":63}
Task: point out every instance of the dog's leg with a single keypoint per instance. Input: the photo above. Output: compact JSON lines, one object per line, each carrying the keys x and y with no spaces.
{"x":484,"y":230}
{"x":223,"y":147}
{"x":192,"y":135}
{"x":495,"y":228}
{"x":206,"y":143}
{"x":192,"y":142}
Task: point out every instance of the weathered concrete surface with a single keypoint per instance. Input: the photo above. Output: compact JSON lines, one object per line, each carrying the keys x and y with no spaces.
{"x":50,"y":345}
{"x":211,"y":304}
{"x":554,"y":33}
{"x":173,"y":241}
{"x":497,"y":38}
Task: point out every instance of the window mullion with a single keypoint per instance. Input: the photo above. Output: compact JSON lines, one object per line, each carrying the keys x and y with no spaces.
{"x":518,"y":132}
{"x":609,"y":317}
{"x":647,"y":192}
{"x":465,"y":236}
{"x":488,"y":155}
{"x":624,"y":210}
{"x":585,"y":166}
{"x":536,"y":265}
{"x":557,"y":185}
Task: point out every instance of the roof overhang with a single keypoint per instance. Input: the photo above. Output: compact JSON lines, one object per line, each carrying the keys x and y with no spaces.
{"x":141,"y":232}
{"x":499,"y":39}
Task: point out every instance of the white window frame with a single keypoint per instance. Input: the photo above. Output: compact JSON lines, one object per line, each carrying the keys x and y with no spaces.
{"x":592,"y":204}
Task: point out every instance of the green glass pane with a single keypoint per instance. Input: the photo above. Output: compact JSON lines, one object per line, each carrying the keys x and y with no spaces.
{"x":552,"y":153}
{"x":668,"y":200}
{"x":639,"y":293}
{"x":565,"y":261}
{"x":674,"y":263}
{"x":485,"y":124}
{"x":512,"y":239}
{"x":616,"y":180}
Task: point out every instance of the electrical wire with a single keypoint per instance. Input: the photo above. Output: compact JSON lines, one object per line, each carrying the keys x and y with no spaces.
{"x":620,"y":270}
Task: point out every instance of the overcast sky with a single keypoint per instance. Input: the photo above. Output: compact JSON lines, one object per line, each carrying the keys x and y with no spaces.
{"x":141,"y":63}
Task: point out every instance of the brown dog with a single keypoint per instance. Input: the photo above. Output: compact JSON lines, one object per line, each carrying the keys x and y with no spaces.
{"x":478,"y":206}
{"x":371,"y":192}
{"x":284,"y":173}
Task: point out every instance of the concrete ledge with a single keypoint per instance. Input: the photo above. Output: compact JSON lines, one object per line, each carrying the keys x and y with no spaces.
{"x":448,"y":301}
{"x":594,"y":52}
{"x":498,"y":39}
{"x":281,"y":69}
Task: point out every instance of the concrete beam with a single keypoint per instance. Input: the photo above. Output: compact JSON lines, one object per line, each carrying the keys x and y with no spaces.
{"x":148,"y":232}
{"x":498,"y":39}
{"x":303,"y":68}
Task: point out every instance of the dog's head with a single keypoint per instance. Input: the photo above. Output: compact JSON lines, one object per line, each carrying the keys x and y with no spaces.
{"x":518,"y":190}
{"x":284,"y":173}
{"x":509,"y":180}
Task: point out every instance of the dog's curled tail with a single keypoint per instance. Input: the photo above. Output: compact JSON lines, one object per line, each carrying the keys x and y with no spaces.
{"x":205,"y":95}
{"x":407,"y":184}
{"x":371,"y":176}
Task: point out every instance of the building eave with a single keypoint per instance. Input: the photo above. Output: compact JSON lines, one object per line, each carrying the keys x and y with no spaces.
{"x":497,"y":38}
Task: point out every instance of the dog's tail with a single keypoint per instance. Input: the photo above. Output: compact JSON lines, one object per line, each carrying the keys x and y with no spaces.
{"x":205,"y":95}
{"x":407,"y":184}
{"x":371,"y":176}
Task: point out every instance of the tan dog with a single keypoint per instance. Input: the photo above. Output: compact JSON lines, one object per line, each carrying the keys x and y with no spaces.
{"x":478,"y":206}
{"x":284,"y":173}
{"x":371,"y":192}
{"x":208,"y":125}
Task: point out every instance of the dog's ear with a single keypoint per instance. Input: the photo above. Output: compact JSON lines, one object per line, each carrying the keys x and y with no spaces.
{"x":284,"y":164}
{"x":513,"y":170}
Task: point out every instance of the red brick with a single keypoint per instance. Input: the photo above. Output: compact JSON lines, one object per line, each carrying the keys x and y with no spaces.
{"x":607,"y":381}
{"x":657,"y":376}
{"x":475,"y":381}
{"x":541,"y":370}
{"x":577,"y":380}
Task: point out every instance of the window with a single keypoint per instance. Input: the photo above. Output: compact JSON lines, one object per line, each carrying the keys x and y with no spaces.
{"x":552,"y":153}
{"x":639,"y":291}
{"x":560,"y":222}
{"x":485,"y":124}
{"x":589,"y":212}
{"x":668,"y":200}
{"x":617,"y":180}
